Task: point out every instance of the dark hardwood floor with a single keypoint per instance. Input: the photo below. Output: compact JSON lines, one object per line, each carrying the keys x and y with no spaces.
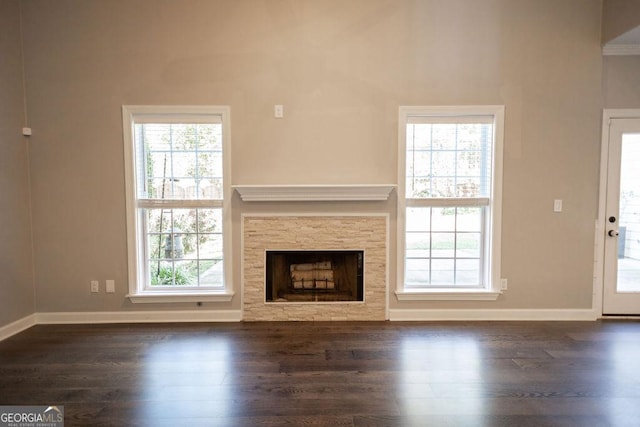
{"x":335,"y":373}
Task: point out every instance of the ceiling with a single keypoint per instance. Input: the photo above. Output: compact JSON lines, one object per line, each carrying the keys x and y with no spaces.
{"x":625,"y":44}
{"x":630,"y":37}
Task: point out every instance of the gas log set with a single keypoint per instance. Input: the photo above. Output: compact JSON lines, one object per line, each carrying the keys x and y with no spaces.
{"x":299,"y":276}
{"x":317,"y":275}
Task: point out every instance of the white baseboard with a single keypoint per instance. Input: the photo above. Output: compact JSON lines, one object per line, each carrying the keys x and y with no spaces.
{"x":139,"y":316}
{"x":118,"y":317}
{"x":236,"y":316}
{"x":497,"y":315}
{"x":17,"y":326}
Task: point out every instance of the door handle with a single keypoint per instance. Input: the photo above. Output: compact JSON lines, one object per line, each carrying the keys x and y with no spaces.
{"x":613,"y":233}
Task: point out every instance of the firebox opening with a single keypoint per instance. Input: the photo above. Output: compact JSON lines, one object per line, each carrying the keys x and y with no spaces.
{"x":314,"y":276}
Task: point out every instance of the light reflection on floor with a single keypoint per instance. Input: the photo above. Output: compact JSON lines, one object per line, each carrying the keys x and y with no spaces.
{"x":431,"y":369}
{"x":624,"y":379}
{"x":184,"y":377}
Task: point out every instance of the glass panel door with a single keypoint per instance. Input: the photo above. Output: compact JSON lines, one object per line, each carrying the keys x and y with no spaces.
{"x":629,"y":228}
{"x":621,"y":291}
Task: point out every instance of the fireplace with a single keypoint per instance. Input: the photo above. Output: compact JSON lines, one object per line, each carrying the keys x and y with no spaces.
{"x":314,"y":276}
{"x":312,"y":242}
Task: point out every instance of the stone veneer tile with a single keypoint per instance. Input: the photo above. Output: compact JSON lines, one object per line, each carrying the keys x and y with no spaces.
{"x":366,"y":232}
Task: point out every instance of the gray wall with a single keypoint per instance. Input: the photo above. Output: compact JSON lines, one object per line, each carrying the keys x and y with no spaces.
{"x":618,"y":17}
{"x":621,"y":81}
{"x":16,"y":267}
{"x":341,"y":69}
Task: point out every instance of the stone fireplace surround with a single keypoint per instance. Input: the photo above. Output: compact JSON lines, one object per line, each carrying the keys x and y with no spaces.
{"x":367,"y":232}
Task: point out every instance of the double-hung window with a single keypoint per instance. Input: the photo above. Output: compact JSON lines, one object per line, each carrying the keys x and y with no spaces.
{"x":449,"y":202}
{"x":177,"y":169}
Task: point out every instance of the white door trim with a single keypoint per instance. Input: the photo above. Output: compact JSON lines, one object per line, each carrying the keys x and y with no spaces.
{"x":598,"y":265}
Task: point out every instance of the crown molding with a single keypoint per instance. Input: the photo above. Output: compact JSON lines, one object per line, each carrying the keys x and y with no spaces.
{"x":313,"y":193}
{"x":621,"y":49}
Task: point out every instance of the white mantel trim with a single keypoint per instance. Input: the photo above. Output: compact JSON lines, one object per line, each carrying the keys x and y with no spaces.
{"x":314,"y":193}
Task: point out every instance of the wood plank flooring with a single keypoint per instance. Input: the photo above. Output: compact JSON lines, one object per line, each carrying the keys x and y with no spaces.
{"x":333,"y":373}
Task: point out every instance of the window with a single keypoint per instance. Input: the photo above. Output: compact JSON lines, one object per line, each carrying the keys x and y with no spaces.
{"x":449,"y":202}
{"x":177,"y":202}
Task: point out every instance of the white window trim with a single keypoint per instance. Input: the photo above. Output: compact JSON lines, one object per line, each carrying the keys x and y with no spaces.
{"x":494,"y":228}
{"x":148,"y":113}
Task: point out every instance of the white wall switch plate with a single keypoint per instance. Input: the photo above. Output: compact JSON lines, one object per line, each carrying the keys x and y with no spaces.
{"x":278,"y":111}
{"x":503,"y":284}
{"x":111,"y":286}
{"x":557,"y":205}
{"x":95,"y":286}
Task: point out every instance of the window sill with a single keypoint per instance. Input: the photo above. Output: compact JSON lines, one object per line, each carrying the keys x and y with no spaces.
{"x":168,"y":297}
{"x":444,"y":294}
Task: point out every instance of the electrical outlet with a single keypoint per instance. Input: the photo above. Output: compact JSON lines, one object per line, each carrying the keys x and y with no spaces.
{"x":95,"y":286}
{"x":110,"y":286}
{"x":503,"y":284}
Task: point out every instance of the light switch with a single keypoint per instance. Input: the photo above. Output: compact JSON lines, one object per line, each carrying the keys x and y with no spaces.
{"x":111,"y":286}
{"x":557,"y":205}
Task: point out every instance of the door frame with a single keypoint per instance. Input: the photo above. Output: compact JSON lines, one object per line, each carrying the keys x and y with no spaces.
{"x":598,"y":265}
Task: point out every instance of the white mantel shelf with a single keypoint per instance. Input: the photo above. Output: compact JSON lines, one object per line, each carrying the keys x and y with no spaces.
{"x":314,"y":193}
